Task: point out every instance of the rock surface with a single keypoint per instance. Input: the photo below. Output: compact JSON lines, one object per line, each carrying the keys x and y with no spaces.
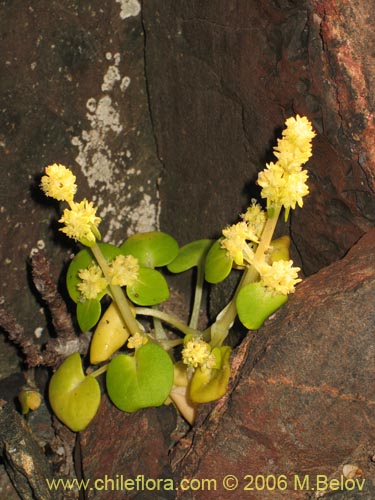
{"x":131,"y":445}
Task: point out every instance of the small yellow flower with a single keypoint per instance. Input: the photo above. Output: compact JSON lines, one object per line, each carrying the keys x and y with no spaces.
{"x":281,"y":277}
{"x":282,"y":188}
{"x":124,"y":270}
{"x":290,"y":157}
{"x":93,"y":282}
{"x":299,"y":130}
{"x":272,"y":181}
{"x":137,"y":340}
{"x":81,"y":223}
{"x":235,"y":238}
{"x":198,"y":353}
{"x":255,"y":218}
{"x":294,"y":190}
{"x":59,"y":183}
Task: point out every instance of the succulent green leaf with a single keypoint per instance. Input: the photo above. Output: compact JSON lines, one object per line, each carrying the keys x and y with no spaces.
{"x":142,"y":380}
{"x":255,"y":304}
{"x":88,"y":313}
{"x":150,"y":288}
{"x":190,"y":255}
{"x":83,"y":260}
{"x":218,"y":264}
{"x":74,"y":398}
{"x":152,"y":249}
{"x":211,"y":384}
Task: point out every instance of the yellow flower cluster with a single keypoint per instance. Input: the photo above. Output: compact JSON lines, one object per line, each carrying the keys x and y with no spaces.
{"x":137,"y":340}
{"x":237,"y":236}
{"x":284,"y":182}
{"x":235,"y":241}
{"x":93,"y":282}
{"x":198,"y":353}
{"x":255,"y":218}
{"x":81,"y":222}
{"x":280,"y":277}
{"x":124,"y":270}
{"x":59,"y":183}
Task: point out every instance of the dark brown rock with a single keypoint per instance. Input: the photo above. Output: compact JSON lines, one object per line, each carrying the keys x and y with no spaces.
{"x":304,"y":403}
{"x":119,"y":446}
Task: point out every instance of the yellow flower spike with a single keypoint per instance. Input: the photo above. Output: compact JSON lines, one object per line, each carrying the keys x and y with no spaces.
{"x":284,"y":182}
{"x":30,"y":400}
{"x":110,"y":334}
{"x":123,"y":270}
{"x":81,"y":223}
{"x":299,"y":131}
{"x":93,"y":282}
{"x":59,"y":183}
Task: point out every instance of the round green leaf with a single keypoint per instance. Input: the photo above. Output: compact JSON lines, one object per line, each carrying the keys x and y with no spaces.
{"x":88,"y":313}
{"x":142,"y":380}
{"x":149,"y":289}
{"x":218,"y":264}
{"x":83,"y":260}
{"x":190,"y":255}
{"x":152,"y":249}
{"x":255,"y":304}
{"x":74,"y":398}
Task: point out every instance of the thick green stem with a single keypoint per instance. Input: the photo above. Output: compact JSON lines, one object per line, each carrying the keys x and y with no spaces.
{"x":116,"y":293}
{"x":167,"y":318}
{"x":219,"y":330}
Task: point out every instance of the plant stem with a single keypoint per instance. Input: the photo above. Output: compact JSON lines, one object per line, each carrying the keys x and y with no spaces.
{"x":197,"y":297}
{"x":219,"y":330}
{"x":158,"y":328}
{"x":167,"y":318}
{"x":99,"y":371}
{"x":117,"y":293}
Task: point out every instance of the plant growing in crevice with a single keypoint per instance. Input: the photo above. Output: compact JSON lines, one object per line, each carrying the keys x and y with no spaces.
{"x":148,"y":371}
